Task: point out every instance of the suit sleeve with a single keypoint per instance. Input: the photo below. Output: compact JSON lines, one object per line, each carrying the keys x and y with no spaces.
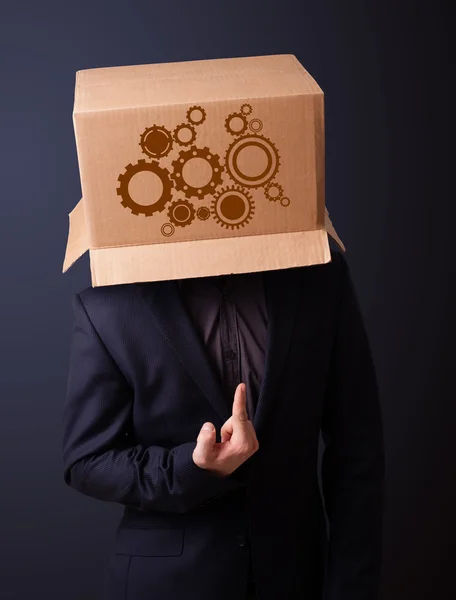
{"x":99,"y":458}
{"x":353,"y":463}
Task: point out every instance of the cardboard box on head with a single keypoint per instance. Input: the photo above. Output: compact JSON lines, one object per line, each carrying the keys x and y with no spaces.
{"x":199,"y":168}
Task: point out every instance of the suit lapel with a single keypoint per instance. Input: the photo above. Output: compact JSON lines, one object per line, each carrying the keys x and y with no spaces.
{"x":173,"y":320}
{"x":282,"y":295}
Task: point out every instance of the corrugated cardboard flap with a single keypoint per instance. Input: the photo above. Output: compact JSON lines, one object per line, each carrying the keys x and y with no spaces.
{"x":332,"y":232}
{"x":201,"y":258}
{"x":112,"y":267}
{"x":78,"y":241}
{"x":166,"y":84}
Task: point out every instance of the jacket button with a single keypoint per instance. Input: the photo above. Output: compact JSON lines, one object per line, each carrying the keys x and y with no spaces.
{"x":241,"y":541}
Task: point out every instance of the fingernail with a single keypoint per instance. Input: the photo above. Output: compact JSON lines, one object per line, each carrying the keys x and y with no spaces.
{"x":208,"y":427}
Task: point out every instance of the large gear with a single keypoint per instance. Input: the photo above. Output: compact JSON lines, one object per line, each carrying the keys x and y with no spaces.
{"x":233,"y":207}
{"x":238,"y":172}
{"x":201,"y":153}
{"x":236,"y":123}
{"x":199,"y":110}
{"x":181,"y":213}
{"x":177,"y":134}
{"x":156,"y":141}
{"x":140,"y":167}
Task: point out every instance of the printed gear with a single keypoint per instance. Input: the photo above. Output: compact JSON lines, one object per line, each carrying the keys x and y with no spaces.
{"x":230,"y":118}
{"x":273,"y":184}
{"x":255,"y":125}
{"x":156,"y":141}
{"x":181,"y":213}
{"x":244,"y":179}
{"x":201,"y":110}
{"x":203,"y":213}
{"x":179,"y":128}
{"x":284,"y":201}
{"x":140,"y":167}
{"x":246,"y":109}
{"x":167,"y":229}
{"x":233,"y":207}
{"x":184,"y":157}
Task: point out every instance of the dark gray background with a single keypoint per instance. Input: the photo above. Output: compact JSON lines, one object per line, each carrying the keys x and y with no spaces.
{"x":384,"y":67}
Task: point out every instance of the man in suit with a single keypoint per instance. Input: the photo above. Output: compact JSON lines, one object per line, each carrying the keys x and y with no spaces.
{"x":233,"y":511}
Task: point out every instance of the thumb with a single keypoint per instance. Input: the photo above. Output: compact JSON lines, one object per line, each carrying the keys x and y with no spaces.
{"x":205,"y":442}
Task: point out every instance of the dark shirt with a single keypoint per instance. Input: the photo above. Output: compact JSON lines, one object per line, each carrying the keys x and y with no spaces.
{"x":229,"y":313}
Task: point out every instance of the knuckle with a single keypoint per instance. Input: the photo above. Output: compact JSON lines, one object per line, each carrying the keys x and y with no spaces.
{"x":252,"y":446}
{"x":203,"y":461}
{"x":242,"y":420}
{"x":244,"y":448}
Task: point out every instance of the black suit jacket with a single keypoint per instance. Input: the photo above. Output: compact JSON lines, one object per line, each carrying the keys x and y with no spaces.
{"x":140,"y":387}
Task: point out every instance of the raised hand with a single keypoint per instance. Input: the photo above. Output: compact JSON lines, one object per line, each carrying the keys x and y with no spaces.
{"x":239,"y":440}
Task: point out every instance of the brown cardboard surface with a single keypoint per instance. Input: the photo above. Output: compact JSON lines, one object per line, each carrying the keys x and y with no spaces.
{"x":188,"y":82}
{"x":155,"y":262}
{"x":180,"y":161}
{"x":127,"y":173}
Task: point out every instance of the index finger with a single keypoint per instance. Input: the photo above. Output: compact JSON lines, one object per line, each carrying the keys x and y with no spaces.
{"x":239,"y":403}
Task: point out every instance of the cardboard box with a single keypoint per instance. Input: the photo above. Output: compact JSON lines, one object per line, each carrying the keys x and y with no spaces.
{"x":199,"y":168}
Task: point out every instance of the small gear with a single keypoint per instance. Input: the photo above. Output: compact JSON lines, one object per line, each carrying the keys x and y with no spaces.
{"x":182,"y":131}
{"x":233,"y":207}
{"x":273,"y":191}
{"x":167,"y":229}
{"x":196,"y":115}
{"x":255,"y":125}
{"x":156,"y":141}
{"x":140,"y":167}
{"x":285,"y":201}
{"x":181,"y":213}
{"x":246,"y":109}
{"x":243,"y":171}
{"x":203,"y":213}
{"x":236,"y":123}
{"x":185,"y":156}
